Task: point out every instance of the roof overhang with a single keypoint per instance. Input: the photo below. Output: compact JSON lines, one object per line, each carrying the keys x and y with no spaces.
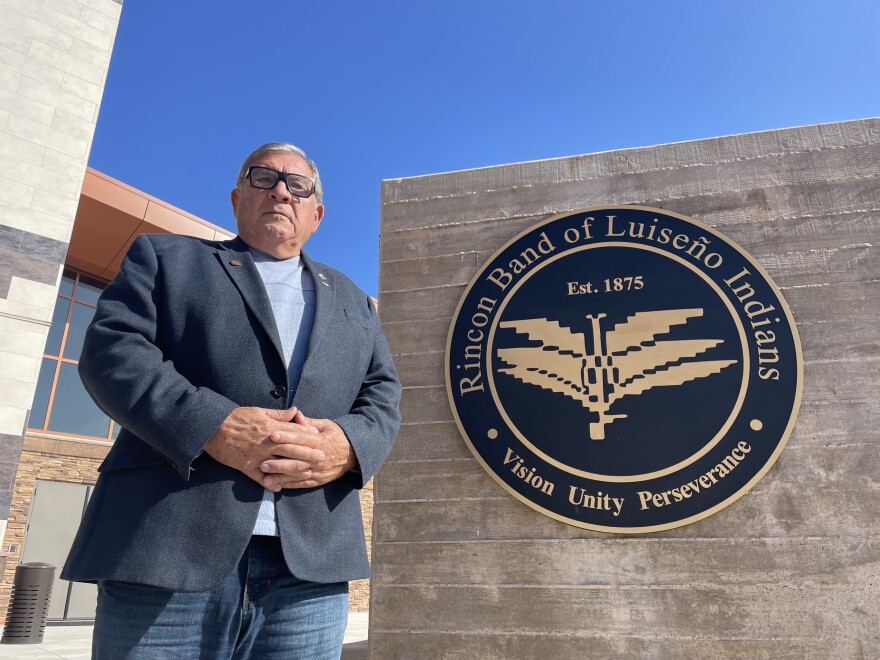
{"x":111,"y":215}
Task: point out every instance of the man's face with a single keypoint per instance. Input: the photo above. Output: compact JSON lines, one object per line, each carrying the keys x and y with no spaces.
{"x":275,"y":221}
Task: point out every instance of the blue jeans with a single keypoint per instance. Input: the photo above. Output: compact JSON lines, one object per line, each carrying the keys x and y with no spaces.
{"x":260,"y":611}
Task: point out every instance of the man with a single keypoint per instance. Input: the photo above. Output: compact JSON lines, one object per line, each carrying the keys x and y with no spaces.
{"x":256,"y":394}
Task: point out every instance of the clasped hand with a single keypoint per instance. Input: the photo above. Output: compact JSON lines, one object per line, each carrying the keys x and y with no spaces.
{"x":282,"y":448}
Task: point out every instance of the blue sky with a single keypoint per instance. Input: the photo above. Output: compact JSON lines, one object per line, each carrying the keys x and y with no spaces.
{"x":387,"y":89}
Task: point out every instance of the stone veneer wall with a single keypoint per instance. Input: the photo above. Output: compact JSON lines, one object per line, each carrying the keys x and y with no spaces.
{"x":54,"y":56}
{"x":462,"y":569}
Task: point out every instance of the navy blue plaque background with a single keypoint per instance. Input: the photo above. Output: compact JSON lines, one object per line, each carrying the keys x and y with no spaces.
{"x":661,"y":428}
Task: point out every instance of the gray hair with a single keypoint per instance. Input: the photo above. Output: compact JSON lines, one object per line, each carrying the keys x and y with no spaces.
{"x":286,"y":148}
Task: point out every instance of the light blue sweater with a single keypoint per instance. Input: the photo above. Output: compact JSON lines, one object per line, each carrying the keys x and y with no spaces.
{"x":291,"y":291}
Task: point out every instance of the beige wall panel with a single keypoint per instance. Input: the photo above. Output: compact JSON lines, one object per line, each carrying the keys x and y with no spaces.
{"x":850,"y":380}
{"x":415,"y":335}
{"x":663,"y":184}
{"x":774,"y":509}
{"x":426,"y":442}
{"x":821,"y":303}
{"x":425,"y":404}
{"x":424,"y":272}
{"x":436,"y":481}
{"x":420,"y":303}
{"x":829,"y":424}
{"x":416,"y":369}
{"x":771,"y":611}
{"x":623,"y":563}
{"x":814,"y":250}
{"x":849,"y":468}
{"x":451,"y":240}
{"x":490,"y":646}
{"x":604,"y":164}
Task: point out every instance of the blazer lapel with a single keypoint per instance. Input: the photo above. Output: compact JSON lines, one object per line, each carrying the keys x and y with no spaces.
{"x":325,"y":302}
{"x":236,"y":260}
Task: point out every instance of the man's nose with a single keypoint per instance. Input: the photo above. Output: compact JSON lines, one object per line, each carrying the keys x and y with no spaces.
{"x":280,"y":191}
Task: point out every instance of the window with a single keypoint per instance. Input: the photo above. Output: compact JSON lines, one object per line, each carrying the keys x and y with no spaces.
{"x":61,"y":403}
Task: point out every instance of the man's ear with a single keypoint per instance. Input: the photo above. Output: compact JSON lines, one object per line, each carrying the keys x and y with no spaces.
{"x":233,"y":197}
{"x":319,"y":214}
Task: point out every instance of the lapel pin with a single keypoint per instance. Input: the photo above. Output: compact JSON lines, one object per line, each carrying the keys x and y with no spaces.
{"x":321,"y":275}
{"x":235,"y":262}
{"x":325,"y":284}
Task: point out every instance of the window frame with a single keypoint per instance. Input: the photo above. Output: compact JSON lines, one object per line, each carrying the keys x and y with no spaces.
{"x":59,"y":360}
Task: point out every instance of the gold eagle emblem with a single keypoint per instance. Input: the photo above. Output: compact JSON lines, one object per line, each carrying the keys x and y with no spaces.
{"x":623,"y":361}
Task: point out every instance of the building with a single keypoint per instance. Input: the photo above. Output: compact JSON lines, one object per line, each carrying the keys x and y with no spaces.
{"x":67,"y":435}
{"x":54,"y":57}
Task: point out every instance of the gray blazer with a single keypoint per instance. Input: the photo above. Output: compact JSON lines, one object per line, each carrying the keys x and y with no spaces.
{"x":183,"y":335}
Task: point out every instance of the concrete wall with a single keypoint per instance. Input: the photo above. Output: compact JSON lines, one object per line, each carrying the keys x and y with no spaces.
{"x":790,"y":570}
{"x":54,"y":56}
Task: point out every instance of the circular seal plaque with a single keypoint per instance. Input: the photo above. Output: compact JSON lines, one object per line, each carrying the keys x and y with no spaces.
{"x":624,"y":369}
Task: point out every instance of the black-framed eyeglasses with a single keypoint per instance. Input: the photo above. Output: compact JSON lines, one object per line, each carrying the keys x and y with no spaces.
{"x":265,"y":178}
